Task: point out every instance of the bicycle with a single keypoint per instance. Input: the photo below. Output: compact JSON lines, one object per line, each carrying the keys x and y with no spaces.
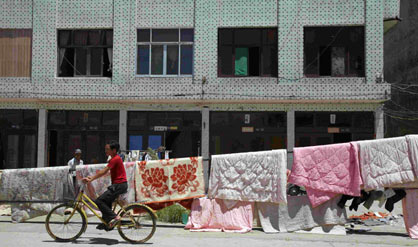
{"x":68,"y":221}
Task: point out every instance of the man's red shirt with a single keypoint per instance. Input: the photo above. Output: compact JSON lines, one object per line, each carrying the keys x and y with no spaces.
{"x":117,"y":170}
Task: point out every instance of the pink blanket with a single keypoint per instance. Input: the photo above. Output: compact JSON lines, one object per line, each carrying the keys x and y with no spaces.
{"x":326,"y":171}
{"x":410,"y":212}
{"x":213,"y":215}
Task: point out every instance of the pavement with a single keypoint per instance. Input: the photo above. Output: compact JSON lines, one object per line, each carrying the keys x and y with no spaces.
{"x":33,"y":233}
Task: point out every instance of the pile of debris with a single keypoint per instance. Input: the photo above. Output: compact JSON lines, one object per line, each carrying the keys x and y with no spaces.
{"x":372,"y":219}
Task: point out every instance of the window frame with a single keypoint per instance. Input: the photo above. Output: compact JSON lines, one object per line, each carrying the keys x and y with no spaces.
{"x":89,"y":49}
{"x":150,"y":43}
{"x":347,"y":54}
{"x":261,"y":47}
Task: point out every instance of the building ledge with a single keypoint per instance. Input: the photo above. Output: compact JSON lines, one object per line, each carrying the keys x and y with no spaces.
{"x":211,"y":92}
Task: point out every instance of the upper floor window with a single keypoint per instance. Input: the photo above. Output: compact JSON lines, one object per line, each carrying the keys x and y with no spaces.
{"x":167,"y":52}
{"x":334,"y":51}
{"x":247,"y":52}
{"x":84,"y":53}
{"x":15,"y":52}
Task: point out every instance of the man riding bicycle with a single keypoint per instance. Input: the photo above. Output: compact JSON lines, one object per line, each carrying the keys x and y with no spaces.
{"x":119,"y":185}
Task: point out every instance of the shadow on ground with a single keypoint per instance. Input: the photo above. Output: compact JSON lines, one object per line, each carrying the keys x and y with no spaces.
{"x":94,"y":241}
{"x":372,"y":233}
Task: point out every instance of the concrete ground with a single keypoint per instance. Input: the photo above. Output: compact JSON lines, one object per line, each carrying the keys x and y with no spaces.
{"x":33,"y":233}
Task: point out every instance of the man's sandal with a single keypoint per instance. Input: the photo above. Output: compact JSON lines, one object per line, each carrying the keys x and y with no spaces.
{"x":101,"y":226}
{"x":113,"y":223}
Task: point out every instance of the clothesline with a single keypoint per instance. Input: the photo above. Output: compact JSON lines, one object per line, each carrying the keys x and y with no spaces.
{"x":32,"y":201}
{"x":241,"y":182}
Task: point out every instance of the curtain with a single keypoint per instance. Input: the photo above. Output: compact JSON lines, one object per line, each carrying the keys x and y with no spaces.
{"x":110,"y":56}
{"x":241,"y":61}
{"x":94,"y":37}
{"x":338,"y":61}
{"x":80,"y":37}
{"x":15,"y":52}
{"x":61,"y":57}
{"x":109,"y":37}
{"x":64,"y":37}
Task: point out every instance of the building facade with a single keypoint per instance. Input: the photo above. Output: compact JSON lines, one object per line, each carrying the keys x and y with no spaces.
{"x":199,"y":77}
{"x":401,"y":71}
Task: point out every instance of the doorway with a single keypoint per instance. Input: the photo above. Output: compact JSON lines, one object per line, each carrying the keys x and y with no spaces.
{"x":342,"y":137}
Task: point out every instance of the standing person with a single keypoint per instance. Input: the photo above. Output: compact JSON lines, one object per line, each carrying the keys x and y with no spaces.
{"x":72,"y":163}
{"x":119,"y":185}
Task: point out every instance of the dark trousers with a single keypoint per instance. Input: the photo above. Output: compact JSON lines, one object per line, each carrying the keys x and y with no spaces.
{"x":104,"y":202}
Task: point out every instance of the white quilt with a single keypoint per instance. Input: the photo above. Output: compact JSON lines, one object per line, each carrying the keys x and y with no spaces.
{"x":298,"y":214}
{"x":253,"y":177}
{"x":33,"y":184}
{"x":412,"y":141}
{"x":385,"y":162}
{"x":49,"y":184}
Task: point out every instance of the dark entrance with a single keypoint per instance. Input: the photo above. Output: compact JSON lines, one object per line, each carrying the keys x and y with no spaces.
{"x":321,"y":128}
{"x":179,"y":132}
{"x":342,"y":137}
{"x":86,"y":130}
{"x":234,"y":132}
{"x":18,"y":138}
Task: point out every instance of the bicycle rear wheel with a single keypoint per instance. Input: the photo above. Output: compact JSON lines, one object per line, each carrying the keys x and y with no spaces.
{"x":64,"y":223}
{"x":138,"y":223}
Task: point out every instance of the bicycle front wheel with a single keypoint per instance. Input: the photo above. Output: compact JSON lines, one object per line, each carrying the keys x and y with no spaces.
{"x":64,"y":223}
{"x":138,"y":223}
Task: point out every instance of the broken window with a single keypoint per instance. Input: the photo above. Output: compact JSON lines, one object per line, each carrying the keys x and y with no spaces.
{"x":84,"y":53}
{"x":247,"y":52}
{"x":334,"y":51}
{"x":15,"y":52}
{"x":165,"y":52}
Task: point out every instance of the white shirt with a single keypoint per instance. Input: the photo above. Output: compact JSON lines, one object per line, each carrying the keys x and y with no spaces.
{"x":72,"y":163}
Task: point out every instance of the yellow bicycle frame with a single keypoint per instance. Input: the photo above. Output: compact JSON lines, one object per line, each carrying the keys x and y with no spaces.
{"x":80,"y":201}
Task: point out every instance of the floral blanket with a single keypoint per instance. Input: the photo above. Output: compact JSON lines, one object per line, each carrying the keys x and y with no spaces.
{"x":169,"y":180}
{"x":99,"y":186}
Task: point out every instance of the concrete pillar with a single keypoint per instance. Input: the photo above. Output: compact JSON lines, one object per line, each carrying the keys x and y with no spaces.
{"x":290,"y":136}
{"x":123,"y":129}
{"x":44,"y":47}
{"x":205,"y":144}
{"x":379,"y":123}
{"x":374,"y":44}
{"x":123,"y":34}
{"x":42,"y":138}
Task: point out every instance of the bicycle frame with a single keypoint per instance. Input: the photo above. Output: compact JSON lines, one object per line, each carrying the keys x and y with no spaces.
{"x":80,"y":201}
